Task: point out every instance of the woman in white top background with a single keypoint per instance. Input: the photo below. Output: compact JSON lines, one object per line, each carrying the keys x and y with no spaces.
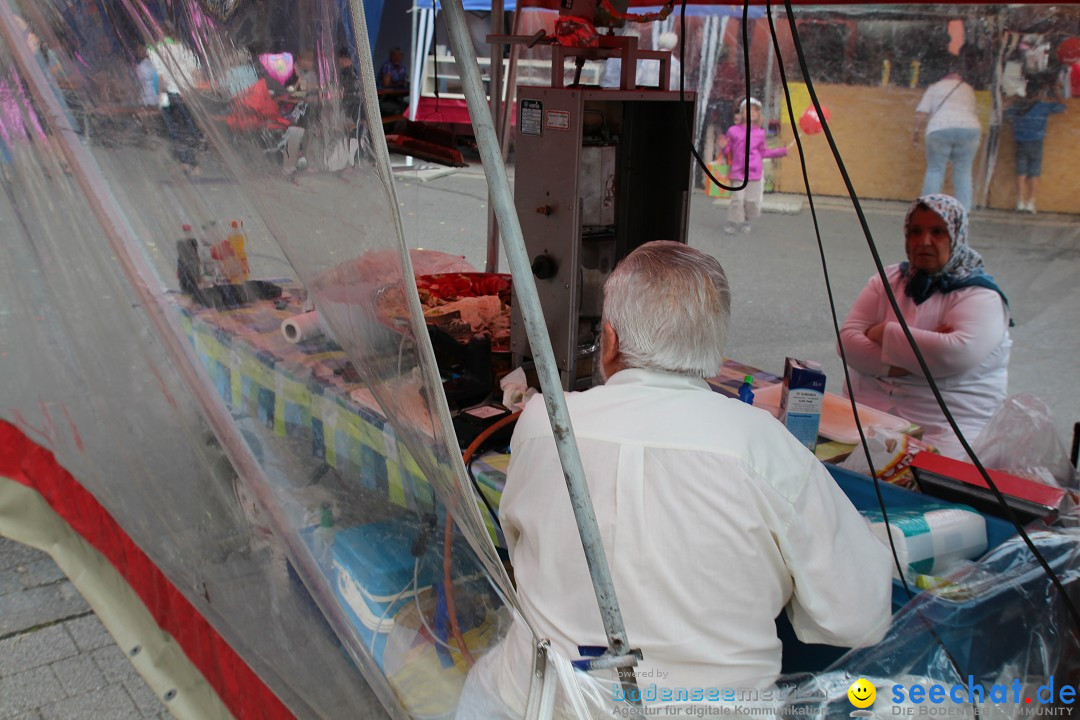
{"x":958,"y":316}
{"x":947,"y":114}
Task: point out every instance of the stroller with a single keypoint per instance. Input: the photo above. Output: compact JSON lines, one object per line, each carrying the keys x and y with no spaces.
{"x":279,"y":126}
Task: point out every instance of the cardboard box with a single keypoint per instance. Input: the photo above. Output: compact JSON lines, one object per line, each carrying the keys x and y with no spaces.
{"x":801,"y":400}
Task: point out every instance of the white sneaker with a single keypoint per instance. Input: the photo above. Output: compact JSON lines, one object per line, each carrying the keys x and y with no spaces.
{"x":729,"y":230}
{"x":1021,"y":206}
{"x":746,"y":229}
{"x":1031,"y":207}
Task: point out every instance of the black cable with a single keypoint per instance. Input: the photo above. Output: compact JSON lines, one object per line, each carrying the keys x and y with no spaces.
{"x":483,"y":497}
{"x":832,"y":300}
{"x":682,"y":95}
{"x":843,"y":355}
{"x":1074,"y":454}
{"x":1008,"y":511}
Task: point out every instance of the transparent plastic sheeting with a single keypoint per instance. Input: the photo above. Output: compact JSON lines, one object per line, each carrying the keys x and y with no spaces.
{"x":299,"y":501}
{"x":245,"y":471}
{"x":1024,"y":640}
{"x":997,"y":624}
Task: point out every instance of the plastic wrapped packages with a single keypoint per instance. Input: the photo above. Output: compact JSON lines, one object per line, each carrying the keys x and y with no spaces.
{"x":940,"y":639}
{"x":931,"y":540}
{"x":1020,"y":439}
{"x":891,"y":453}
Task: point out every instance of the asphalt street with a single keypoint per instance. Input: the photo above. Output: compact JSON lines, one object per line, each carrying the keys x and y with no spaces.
{"x":781,"y":304}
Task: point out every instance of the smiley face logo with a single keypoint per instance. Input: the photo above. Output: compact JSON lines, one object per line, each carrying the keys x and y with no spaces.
{"x":861,"y":693}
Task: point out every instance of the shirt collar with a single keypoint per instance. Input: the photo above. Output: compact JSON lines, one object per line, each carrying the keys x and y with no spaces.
{"x":658,"y":379}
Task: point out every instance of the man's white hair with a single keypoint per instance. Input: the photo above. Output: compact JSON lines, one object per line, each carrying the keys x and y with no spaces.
{"x":669,"y":305}
{"x":667,"y":41}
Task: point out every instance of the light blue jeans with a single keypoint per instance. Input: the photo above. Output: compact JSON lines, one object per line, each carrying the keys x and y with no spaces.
{"x":955,"y":145}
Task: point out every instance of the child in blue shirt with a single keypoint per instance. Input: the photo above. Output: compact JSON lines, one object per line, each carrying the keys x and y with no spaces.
{"x":1028,"y":117}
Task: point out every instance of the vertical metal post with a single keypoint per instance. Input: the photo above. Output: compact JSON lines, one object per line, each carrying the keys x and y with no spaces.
{"x":767,"y":97}
{"x":539,"y":340}
{"x":416,"y":77}
{"x":495,"y":93}
{"x":511,"y":94}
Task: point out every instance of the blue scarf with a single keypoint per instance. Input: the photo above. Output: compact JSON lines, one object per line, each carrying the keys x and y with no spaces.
{"x":920,"y":286}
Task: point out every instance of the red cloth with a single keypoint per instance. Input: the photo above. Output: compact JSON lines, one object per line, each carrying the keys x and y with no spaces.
{"x":254,"y":109}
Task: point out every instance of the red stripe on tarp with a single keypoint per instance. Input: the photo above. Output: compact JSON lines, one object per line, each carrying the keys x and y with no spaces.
{"x":240,"y":689}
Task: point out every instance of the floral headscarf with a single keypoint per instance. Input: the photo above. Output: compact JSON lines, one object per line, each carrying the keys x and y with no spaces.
{"x":964,"y":267}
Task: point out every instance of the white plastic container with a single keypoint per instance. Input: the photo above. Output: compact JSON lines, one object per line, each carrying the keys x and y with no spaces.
{"x":931,"y":541}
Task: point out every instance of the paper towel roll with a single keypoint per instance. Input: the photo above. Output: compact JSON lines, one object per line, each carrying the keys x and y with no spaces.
{"x":302,"y":328}
{"x":929,"y":542}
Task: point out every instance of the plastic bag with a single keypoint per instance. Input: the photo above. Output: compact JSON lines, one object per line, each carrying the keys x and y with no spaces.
{"x":720,"y":170}
{"x":891,"y":453}
{"x":1020,"y":439}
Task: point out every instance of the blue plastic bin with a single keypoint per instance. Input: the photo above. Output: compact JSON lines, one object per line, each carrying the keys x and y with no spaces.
{"x":803,"y":657}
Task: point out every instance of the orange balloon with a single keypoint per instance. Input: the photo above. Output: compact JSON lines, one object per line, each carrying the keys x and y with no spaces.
{"x":810,"y":123}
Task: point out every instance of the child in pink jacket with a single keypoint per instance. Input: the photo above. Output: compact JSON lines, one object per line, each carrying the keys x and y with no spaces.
{"x":746,"y":203}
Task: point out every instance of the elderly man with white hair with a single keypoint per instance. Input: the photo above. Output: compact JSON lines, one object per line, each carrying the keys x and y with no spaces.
{"x":713,"y":517}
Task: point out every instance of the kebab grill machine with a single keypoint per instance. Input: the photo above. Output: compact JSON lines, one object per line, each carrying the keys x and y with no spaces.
{"x":598,"y":172}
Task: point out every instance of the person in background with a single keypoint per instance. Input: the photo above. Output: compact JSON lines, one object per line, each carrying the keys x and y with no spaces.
{"x":351,"y":93}
{"x":149,"y":91}
{"x":1028,"y":116}
{"x":392,"y":82}
{"x":49,"y":63}
{"x":946,"y":113}
{"x":958,"y":316}
{"x":341,"y":150}
{"x":307,"y":78}
{"x":714,"y":519}
{"x":178,"y":73}
{"x":746,"y":203}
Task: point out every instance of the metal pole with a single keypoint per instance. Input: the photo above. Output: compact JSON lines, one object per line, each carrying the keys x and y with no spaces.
{"x":539,"y":340}
{"x":495,"y":94}
{"x":767,"y":98}
{"x":416,"y":79}
{"x":511,"y":94}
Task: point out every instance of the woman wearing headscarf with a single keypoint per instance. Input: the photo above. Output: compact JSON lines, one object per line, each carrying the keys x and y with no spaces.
{"x":958,"y":316}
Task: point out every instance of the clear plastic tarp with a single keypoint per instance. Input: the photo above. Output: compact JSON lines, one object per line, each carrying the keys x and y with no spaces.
{"x":143,"y":151}
{"x":209,"y":312}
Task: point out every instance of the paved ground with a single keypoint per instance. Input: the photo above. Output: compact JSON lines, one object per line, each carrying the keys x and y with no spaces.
{"x":56,"y":661}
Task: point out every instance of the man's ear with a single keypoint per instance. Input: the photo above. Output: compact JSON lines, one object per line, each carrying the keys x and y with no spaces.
{"x":609,"y":350}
